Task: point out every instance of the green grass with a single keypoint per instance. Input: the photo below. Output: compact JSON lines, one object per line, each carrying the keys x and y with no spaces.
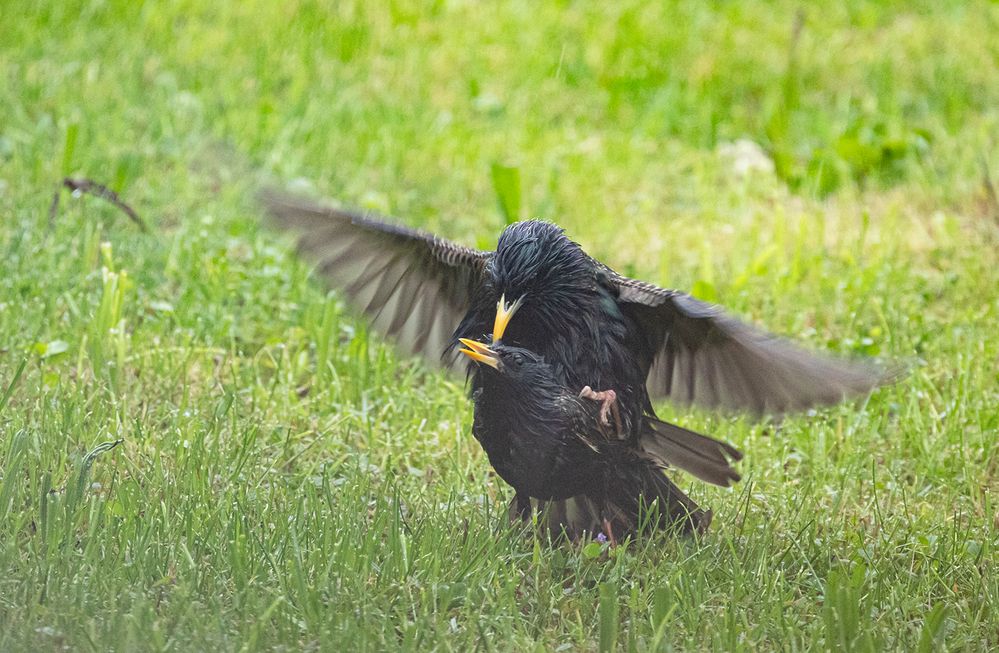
{"x":287,"y":481}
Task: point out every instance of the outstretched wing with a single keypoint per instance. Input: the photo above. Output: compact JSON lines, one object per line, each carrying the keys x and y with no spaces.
{"x":414,"y":286}
{"x":699,"y":354}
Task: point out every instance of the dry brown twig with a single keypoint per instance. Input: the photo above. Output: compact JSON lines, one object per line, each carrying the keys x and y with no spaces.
{"x":90,"y":187}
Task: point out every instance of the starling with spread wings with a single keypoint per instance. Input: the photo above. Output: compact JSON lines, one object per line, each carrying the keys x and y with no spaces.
{"x":592,"y":326}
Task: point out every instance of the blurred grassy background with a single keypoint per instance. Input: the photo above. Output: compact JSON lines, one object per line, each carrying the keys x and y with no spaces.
{"x":287,"y":481}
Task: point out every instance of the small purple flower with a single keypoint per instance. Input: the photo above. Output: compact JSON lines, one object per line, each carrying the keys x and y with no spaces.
{"x":601,"y":538}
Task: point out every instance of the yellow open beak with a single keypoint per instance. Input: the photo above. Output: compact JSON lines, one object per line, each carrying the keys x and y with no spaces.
{"x":479,"y":352}
{"x":503,"y":315}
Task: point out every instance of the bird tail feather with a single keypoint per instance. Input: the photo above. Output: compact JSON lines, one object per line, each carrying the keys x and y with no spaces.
{"x":704,"y":457}
{"x":641,"y":496}
{"x":644,"y":502}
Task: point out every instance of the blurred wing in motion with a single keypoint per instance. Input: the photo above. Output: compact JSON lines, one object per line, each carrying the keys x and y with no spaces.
{"x":701,"y":355}
{"x":414,"y":286}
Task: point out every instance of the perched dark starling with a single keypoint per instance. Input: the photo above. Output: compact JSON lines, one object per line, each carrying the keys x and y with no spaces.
{"x":593,"y":326}
{"x":553,"y":444}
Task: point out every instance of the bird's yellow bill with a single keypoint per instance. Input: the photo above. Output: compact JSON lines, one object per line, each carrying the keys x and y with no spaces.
{"x":479,"y":352}
{"x":503,"y":315}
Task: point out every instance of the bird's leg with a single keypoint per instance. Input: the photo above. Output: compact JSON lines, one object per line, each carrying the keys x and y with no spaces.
{"x":523,"y":508}
{"x":608,"y":400}
{"x":608,"y":531}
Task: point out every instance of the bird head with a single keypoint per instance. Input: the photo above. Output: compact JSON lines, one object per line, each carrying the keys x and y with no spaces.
{"x":536,"y":257}
{"x":553,"y":276}
{"x":506,"y":360}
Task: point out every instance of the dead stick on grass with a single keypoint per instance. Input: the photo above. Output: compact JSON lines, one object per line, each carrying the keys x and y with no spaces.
{"x":98,"y":190}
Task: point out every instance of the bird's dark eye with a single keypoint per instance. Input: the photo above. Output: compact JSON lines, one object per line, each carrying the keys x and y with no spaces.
{"x":517,"y":360}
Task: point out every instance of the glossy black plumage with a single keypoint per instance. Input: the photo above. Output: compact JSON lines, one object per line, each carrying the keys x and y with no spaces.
{"x":549,"y":444}
{"x":593,"y":326}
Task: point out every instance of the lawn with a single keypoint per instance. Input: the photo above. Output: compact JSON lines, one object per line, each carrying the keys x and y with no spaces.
{"x":286,"y":480}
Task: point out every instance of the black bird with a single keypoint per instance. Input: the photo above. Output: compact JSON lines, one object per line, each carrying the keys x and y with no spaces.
{"x":551,"y":443}
{"x":593,"y":326}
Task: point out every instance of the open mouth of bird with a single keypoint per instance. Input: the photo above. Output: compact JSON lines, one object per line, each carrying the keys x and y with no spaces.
{"x":479,"y":352}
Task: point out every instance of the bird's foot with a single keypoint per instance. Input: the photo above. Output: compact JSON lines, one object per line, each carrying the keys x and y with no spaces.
{"x":608,"y":407}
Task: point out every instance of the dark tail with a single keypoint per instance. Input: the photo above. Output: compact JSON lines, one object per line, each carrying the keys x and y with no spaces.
{"x":644,"y":501}
{"x":704,"y":457}
{"x":638,"y":497}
